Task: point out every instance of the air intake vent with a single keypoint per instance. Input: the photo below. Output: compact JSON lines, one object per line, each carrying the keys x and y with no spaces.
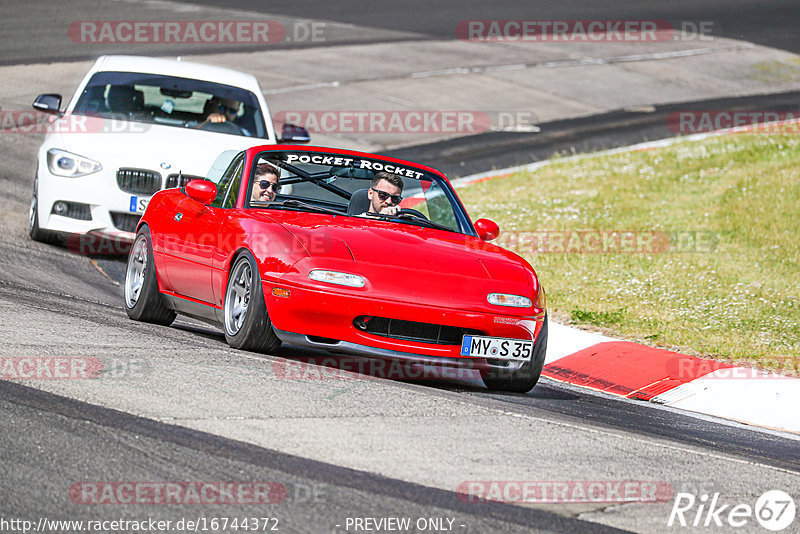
{"x":138,"y":181}
{"x":73,"y":210}
{"x":125,"y":221}
{"x":437,"y":334}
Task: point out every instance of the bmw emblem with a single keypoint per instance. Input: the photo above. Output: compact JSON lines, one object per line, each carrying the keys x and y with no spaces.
{"x":165,"y":165}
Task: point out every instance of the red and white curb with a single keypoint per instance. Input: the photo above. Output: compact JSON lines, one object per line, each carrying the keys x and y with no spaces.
{"x":645,"y":373}
{"x":636,"y":371}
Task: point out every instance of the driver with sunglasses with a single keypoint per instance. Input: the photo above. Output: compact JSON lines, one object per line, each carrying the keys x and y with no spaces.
{"x":385,"y":193}
{"x":222,"y":110}
{"x":266,"y":183}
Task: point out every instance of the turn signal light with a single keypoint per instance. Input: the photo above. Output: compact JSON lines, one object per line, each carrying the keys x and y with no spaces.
{"x":281,"y":292}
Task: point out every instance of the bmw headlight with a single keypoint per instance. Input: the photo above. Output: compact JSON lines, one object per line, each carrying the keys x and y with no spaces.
{"x":335,"y":277}
{"x":63,"y":163}
{"x":505,"y":299}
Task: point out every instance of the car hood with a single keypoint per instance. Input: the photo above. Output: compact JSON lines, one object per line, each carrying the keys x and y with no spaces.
{"x":426,"y":264}
{"x":166,"y":149}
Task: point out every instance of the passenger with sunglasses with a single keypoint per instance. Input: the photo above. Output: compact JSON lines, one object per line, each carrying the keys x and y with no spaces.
{"x":385,"y":193}
{"x":266,"y":183}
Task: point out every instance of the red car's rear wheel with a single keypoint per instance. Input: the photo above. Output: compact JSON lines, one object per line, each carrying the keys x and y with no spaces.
{"x":143,"y":302}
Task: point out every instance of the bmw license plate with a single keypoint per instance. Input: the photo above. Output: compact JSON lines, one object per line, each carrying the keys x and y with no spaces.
{"x":496,"y":347}
{"x":139,"y":204}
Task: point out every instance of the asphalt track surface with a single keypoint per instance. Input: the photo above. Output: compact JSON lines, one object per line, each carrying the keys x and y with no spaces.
{"x":51,"y":440}
{"x":318,"y":497}
{"x":40,"y":34}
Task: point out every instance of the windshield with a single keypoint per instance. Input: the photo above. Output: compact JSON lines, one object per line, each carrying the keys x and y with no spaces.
{"x":341,"y":184}
{"x":172,"y":101}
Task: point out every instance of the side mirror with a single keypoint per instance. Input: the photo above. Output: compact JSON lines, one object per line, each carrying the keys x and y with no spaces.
{"x":202,"y":191}
{"x":487,"y":230}
{"x":291,"y":133}
{"x":48,"y":103}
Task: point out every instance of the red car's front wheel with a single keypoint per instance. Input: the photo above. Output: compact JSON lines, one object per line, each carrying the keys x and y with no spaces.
{"x":247,"y":325}
{"x":523,"y":379}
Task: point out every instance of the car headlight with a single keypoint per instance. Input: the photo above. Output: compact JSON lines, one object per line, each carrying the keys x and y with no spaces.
{"x":63,"y":163}
{"x":505,"y":299}
{"x":335,"y":277}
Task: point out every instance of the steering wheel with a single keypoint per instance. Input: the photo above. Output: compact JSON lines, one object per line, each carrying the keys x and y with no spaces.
{"x":222,"y":127}
{"x":413,"y":213}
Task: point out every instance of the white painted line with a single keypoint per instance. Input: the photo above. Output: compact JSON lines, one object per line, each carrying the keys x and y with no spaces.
{"x":307,"y":87}
{"x":441,"y":72}
{"x":648,"y":145}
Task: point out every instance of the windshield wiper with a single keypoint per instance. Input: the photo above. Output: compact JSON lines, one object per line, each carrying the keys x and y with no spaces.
{"x":291,"y":203}
{"x":406,"y":217}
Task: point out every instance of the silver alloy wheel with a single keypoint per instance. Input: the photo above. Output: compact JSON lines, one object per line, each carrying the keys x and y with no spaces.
{"x":137,"y":268}
{"x":34,"y":203}
{"x":32,"y":215}
{"x":237,"y":297}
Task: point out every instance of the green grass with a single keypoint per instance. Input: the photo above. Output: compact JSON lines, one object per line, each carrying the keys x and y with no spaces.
{"x":722,"y":275}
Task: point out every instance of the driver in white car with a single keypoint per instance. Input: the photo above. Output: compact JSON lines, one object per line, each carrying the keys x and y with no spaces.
{"x":222,"y":110}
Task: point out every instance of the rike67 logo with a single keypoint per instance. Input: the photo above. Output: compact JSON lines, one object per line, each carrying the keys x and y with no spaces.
{"x":774,"y":510}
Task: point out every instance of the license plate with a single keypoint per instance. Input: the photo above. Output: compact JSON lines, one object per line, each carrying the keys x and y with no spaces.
{"x":496,"y":347}
{"x":139,"y":204}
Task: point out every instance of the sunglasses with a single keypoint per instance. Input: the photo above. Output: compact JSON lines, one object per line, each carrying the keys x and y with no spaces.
{"x":383,"y":195}
{"x":266,"y":184}
{"x":227,"y":109}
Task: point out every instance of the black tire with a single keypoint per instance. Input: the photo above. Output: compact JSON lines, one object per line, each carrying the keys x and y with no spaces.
{"x":36,"y":233}
{"x":143,"y":302}
{"x":523,"y":379}
{"x":245,"y":320}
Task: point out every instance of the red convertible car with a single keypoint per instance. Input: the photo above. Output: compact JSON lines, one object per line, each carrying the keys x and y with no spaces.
{"x":345,"y":251}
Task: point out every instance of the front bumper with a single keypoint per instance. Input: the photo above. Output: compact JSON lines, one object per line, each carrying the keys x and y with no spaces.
{"x":354,"y":349}
{"x":324,"y":320}
{"x":114,"y":213}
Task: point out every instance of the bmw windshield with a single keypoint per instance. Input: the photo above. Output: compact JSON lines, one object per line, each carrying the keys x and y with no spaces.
{"x":172,"y":101}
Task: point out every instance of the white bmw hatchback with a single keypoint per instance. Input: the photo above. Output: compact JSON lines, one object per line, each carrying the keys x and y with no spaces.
{"x":137,"y":125}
